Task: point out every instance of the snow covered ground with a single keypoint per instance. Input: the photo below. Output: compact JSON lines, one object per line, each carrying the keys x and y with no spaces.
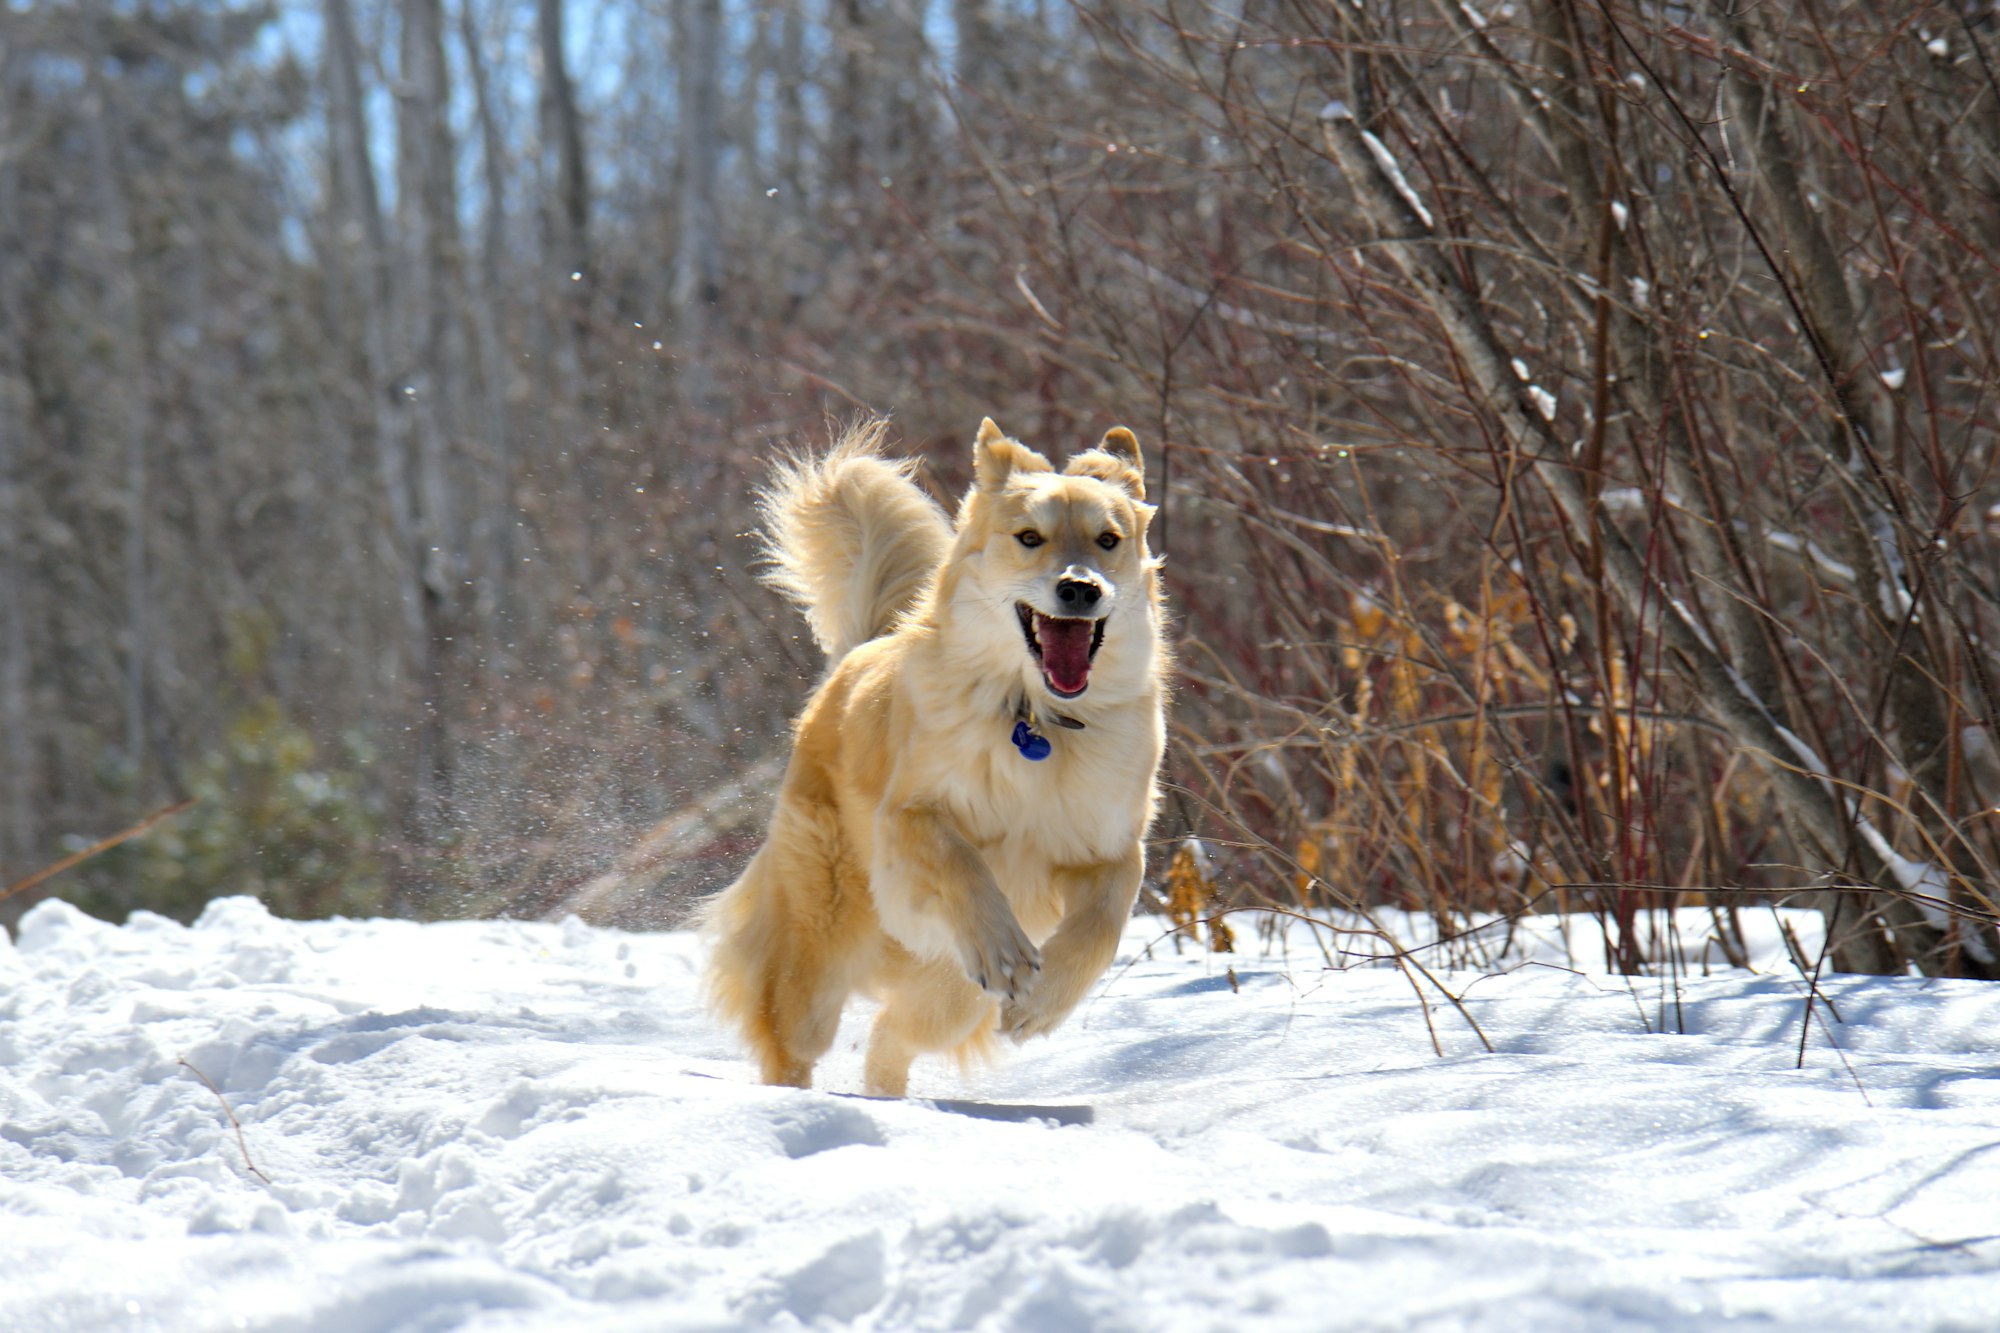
{"x":522,"y":1126}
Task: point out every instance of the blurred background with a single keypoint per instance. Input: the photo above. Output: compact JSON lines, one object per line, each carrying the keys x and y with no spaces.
{"x":1573,"y":421}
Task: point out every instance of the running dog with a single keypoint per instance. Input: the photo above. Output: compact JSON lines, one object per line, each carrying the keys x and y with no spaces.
{"x":960,"y":832}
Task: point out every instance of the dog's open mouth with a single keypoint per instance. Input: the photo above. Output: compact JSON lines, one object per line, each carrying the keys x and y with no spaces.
{"x":1064,"y":648}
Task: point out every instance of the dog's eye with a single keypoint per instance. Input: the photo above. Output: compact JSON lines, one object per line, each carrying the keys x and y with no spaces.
{"x":1108,"y":540}
{"x":1028,"y":537}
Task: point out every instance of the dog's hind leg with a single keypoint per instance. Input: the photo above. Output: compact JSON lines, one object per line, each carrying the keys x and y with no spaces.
{"x":797,"y":1025}
{"x":930,"y":1007}
{"x":788,"y":946}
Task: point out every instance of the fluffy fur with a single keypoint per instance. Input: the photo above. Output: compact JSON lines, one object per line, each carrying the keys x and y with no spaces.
{"x":915,"y":853}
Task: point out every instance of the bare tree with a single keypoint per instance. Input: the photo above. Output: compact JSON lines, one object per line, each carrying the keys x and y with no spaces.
{"x":1586,"y":438}
{"x":567,"y":208}
{"x":1672,"y":456}
{"x":435,"y":381}
{"x":698,"y":265}
{"x":117,"y":247}
{"x":18,"y":779}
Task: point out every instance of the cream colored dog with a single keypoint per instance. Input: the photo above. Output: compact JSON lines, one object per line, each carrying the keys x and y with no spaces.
{"x":960,"y":831}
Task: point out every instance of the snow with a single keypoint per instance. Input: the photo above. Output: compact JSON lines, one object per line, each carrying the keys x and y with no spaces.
{"x":1393,"y":169}
{"x":527,"y":1126}
{"x":1923,"y":882}
{"x":1386,"y":160}
{"x":1892,"y":591}
{"x":1926,"y":885}
{"x":1632,"y":500}
{"x":1812,"y":550}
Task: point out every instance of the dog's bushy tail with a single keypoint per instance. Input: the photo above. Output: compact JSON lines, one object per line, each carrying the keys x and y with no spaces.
{"x":851,"y":538}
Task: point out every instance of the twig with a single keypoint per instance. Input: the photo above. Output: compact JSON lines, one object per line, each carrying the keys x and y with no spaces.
{"x":101,"y":845}
{"x":1814,"y":993}
{"x":234,"y":1123}
{"x":823,"y":382}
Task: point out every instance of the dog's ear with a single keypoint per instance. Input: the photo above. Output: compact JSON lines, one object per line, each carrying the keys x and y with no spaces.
{"x":996,"y":458}
{"x":1116,"y":460}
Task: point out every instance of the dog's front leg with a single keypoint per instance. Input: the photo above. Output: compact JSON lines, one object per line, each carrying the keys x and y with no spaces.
{"x":935,"y":894}
{"x":1097,"y":902}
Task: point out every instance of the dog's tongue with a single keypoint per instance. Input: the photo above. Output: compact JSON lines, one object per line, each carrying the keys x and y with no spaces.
{"x":1065,"y":652}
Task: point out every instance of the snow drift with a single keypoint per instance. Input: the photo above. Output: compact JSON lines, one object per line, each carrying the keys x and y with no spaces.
{"x":521,"y":1126}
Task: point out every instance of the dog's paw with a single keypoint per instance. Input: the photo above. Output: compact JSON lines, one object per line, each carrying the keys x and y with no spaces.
{"x":1002,"y":961}
{"x":1031,"y":1015}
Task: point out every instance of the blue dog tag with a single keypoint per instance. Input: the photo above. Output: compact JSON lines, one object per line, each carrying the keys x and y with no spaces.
{"x":1031,"y":744}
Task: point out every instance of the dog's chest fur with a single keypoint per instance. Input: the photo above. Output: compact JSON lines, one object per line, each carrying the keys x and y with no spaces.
{"x":1087,"y":802}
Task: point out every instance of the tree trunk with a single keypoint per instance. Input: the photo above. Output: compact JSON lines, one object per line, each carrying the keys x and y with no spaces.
{"x":17,"y":731}
{"x":360,"y":252}
{"x":568,"y":212}
{"x":130,"y":351}
{"x":361,"y":243}
{"x":698,"y":267}
{"x":855,"y":96}
{"x":791,"y":74}
{"x":427,"y":211}
{"x":492,"y":528}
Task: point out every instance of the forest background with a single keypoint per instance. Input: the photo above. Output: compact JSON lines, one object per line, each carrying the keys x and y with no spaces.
{"x":1572,"y":421}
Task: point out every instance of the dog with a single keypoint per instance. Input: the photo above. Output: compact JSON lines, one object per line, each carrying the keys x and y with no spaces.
{"x":960,"y":832}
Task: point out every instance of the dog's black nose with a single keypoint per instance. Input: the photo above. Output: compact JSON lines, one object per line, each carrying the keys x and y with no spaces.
{"x":1077,"y":596}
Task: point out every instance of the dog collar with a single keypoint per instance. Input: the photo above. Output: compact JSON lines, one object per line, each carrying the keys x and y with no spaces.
{"x":1031,"y":743}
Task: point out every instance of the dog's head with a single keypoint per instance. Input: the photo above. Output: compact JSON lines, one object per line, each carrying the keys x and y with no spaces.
{"x":1060,"y":560}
